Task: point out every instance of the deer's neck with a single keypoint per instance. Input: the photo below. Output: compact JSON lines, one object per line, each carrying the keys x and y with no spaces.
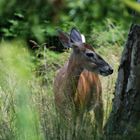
{"x":74,"y":71}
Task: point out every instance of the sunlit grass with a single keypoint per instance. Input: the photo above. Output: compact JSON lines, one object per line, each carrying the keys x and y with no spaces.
{"x":16,"y":103}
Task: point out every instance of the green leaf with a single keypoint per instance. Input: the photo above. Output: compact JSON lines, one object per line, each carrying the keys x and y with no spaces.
{"x":132,"y":4}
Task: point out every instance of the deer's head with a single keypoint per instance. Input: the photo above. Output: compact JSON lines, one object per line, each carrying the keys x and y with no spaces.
{"x":84,"y":54}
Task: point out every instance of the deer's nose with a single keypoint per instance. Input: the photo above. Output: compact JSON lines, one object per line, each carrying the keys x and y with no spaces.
{"x":110,"y":70}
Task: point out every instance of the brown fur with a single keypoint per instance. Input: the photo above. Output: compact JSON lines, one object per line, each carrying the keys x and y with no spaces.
{"x":77,"y":87}
{"x":80,"y":87}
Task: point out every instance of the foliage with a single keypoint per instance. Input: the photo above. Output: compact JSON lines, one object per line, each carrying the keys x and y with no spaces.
{"x":133,"y":5}
{"x":37,"y":19}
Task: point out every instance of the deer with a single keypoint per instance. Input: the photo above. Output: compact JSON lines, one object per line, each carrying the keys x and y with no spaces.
{"x":77,"y":82}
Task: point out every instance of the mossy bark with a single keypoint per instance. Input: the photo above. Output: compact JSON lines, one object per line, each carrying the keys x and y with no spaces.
{"x":124,"y":120}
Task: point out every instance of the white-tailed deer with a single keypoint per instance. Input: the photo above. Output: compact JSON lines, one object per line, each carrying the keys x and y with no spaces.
{"x":77,"y":82}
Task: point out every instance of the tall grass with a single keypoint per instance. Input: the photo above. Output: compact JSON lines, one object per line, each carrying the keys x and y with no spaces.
{"x":19,"y":117}
{"x":27,"y":109}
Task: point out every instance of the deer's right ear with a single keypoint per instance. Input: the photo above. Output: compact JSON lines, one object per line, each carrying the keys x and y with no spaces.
{"x":64,"y":39}
{"x":75,"y":36}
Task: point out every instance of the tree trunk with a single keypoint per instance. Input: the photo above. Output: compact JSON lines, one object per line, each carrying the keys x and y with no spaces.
{"x":124,"y":120}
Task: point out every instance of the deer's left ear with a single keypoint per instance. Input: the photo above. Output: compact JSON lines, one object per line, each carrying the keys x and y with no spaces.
{"x":75,"y":36}
{"x":64,"y":38}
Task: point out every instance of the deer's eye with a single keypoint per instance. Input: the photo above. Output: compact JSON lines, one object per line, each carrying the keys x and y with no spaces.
{"x":90,"y":54}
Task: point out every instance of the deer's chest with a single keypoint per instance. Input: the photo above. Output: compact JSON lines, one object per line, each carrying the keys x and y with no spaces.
{"x":88,"y":90}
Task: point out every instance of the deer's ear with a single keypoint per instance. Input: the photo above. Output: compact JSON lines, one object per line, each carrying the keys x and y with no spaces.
{"x":75,"y":36}
{"x":64,"y":39}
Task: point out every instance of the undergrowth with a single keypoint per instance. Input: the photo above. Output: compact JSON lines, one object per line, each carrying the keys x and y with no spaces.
{"x":26,"y":93}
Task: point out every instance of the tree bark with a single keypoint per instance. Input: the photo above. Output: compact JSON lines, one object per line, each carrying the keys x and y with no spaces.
{"x":124,"y":120}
